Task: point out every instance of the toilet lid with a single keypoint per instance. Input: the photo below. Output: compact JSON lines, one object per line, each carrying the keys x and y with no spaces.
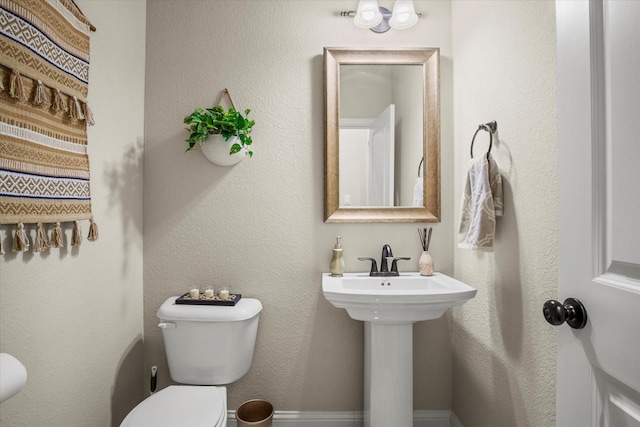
{"x":192,"y":406}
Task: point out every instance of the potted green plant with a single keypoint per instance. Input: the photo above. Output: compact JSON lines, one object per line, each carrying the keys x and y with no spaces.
{"x":229,"y":126}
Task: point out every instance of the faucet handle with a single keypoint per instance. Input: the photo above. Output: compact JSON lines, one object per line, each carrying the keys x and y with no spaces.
{"x":394,"y":263}
{"x":374,"y":264}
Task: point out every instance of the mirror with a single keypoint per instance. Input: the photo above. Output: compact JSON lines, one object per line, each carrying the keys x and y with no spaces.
{"x":382,"y":130}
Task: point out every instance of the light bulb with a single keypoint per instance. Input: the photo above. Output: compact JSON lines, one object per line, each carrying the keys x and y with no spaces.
{"x":403,"y":17}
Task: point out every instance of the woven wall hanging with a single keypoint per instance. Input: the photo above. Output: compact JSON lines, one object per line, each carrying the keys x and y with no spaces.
{"x":44,"y":78}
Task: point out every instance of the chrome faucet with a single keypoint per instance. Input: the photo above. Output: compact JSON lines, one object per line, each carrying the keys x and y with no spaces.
{"x":384,"y":267}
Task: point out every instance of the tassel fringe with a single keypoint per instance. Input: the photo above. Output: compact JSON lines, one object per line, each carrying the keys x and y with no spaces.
{"x":75,"y":111}
{"x":58,"y":105}
{"x":16,"y":87}
{"x":76,"y":237}
{"x":40,"y":96}
{"x":21,"y":240}
{"x":88,"y":114}
{"x":56,"y":237}
{"x":42,"y":242}
{"x":93,"y":231}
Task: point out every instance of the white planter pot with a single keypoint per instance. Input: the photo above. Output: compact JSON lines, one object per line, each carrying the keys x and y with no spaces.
{"x":216,"y":150}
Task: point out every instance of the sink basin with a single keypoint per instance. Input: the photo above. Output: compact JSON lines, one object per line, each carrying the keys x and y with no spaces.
{"x":407,"y":298}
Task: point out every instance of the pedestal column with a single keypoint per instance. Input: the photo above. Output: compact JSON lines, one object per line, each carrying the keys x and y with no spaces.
{"x":388,"y":376}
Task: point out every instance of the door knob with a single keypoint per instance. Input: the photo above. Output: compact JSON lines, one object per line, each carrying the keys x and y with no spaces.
{"x":572,"y":312}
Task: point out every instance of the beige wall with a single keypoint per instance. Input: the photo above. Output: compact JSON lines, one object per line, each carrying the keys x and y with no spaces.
{"x":73,"y":316}
{"x":504,"y":352}
{"x":258,"y":227}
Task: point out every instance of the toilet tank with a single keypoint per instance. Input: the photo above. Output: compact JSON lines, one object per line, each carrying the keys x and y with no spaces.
{"x":207,"y":344}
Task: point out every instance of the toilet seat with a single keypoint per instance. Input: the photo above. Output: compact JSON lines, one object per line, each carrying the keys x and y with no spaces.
{"x":181,"y":405}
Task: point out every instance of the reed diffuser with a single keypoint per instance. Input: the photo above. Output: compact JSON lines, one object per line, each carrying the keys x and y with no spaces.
{"x":425,"y":262}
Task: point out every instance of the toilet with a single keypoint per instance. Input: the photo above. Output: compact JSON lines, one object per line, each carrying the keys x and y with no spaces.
{"x":207,"y":347}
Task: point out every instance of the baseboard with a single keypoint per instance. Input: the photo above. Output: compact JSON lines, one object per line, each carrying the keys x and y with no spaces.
{"x":431,"y":418}
{"x":346,"y":419}
{"x":309,"y":419}
{"x":455,"y":422}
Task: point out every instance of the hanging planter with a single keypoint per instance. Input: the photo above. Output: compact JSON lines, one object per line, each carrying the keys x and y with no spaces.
{"x":218,"y":151}
{"x":229,"y":131}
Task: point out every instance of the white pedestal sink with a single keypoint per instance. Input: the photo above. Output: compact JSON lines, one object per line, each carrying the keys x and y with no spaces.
{"x":389,"y":306}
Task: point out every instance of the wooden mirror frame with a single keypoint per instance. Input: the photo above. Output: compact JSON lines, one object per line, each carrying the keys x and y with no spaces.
{"x":429,"y":58}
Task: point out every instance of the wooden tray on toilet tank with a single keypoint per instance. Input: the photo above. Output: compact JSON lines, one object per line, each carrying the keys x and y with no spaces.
{"x":231,"y":301}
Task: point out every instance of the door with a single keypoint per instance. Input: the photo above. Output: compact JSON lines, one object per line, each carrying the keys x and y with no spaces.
{"x":598,"y":381}
{"x":382,"y":158}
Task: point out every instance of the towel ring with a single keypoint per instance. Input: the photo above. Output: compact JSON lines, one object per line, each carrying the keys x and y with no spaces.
{"x":489,"y":127}
{"x":420,"y":167}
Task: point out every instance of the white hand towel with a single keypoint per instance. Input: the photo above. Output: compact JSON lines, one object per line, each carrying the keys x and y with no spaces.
{"x":481,"y":205}
{"x":418,"y":192}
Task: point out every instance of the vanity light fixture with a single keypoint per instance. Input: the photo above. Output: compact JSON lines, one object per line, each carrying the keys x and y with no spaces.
{"x":380,"y":19}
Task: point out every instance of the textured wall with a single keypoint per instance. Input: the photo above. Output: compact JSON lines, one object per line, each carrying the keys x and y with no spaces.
{"x":504,"y":352}
{"x":73,"y":316}
{"x":258,"y":227}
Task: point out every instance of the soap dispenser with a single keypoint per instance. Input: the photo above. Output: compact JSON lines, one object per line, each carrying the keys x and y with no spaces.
{"x":337,"y":262}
